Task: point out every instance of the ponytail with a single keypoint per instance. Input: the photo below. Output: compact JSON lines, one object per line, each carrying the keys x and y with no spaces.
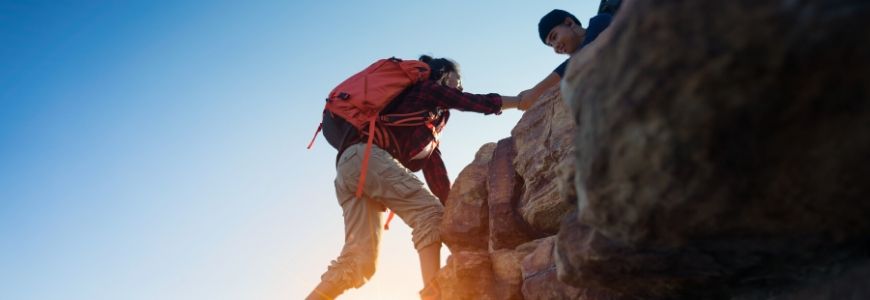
{"x":439,"y":66}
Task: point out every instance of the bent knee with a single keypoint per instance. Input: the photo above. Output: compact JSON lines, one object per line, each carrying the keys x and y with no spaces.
{"x":367,"y":270}
{"x":364,"y":268}
{"x":351,"y":273}
{"x":428,"y":230}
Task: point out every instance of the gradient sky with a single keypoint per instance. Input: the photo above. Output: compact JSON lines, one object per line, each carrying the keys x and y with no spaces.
{"x":157,"y":150}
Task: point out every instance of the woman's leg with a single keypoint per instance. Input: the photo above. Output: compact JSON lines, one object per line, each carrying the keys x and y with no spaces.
{"x":362,"y":225}
{"x":400,"y":190}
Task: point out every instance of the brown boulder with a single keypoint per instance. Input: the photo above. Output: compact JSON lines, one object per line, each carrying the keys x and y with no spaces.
{"x":467,"y":276}
{"x":508,"y":275}
{"x":544,"y":142}
{"x":721,"y":145}
{"x":539,"y":275}
{"x":465,"y":224}
{"x":609,"y":265}
{"x":507,"y":228}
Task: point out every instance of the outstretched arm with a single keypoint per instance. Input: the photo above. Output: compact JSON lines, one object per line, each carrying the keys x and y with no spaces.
{"x":452,"y":98}
{"x":510,"y":102}
{"x":530,"y":96}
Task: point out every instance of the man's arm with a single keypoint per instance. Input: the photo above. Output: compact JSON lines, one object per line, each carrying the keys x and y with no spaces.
{"x":528,"y":97}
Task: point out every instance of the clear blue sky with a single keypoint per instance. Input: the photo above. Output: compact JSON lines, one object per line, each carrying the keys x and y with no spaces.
{"x":157,"y":150}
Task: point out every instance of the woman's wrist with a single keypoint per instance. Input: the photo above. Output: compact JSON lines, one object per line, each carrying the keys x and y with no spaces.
{"x":509,"y":102}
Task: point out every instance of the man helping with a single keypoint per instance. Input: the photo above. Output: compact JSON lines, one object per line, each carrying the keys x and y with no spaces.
{"x":563,"y":32}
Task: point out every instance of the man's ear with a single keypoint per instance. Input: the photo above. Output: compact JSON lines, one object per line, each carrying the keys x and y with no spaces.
{"x":568,"y":21}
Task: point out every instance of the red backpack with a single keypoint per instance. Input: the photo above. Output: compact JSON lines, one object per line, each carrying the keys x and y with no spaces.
{"x":358,"y":102}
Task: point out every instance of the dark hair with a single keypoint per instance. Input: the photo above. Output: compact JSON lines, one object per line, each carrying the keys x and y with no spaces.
{"x":553,"y":19}
{"x":439,"y":66}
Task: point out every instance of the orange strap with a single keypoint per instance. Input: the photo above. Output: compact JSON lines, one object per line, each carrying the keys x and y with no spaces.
{"x":389,"y":218}
{"x":364,"y":170}
{"x":319,"y":127}
{"x":365,"y":162}
{"x":368,"y":152}
{"x":365,"y":166}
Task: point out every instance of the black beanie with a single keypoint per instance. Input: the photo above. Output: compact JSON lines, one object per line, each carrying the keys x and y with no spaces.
{"x":553,"y":19}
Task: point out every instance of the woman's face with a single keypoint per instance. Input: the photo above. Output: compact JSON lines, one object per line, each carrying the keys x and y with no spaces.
{"x":453,"y":80}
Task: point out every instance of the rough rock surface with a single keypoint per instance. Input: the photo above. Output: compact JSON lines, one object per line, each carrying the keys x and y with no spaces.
{"x":539,"y":275}
{"x":504,"y":188}
{"x":465,"y":224}
{"x":507,"y":274}
{"x":732,"y":159}
{"x":707,"y":150}
{"x":484,"y":214}
{"x":468,"y":275}
{"x":544,"y":143}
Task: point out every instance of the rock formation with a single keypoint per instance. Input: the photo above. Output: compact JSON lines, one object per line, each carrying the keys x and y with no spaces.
{"x":516,"y":181}
{"x":703,"y":150}
{"x":734,"y":158}
{"x":465,"y":223}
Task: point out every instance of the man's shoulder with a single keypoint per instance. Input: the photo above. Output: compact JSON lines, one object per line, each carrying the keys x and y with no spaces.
{"x":597,"y":24}
{"x":602,"y":19}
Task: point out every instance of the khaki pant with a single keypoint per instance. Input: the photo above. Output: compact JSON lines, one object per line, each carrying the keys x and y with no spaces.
{"x":388,"y":184}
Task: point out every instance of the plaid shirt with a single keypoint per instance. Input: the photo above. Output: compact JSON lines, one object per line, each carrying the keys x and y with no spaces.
{"x":438,"y":99}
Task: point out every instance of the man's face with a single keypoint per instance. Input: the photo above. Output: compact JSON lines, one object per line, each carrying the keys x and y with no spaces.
{"x":566,"y":37}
